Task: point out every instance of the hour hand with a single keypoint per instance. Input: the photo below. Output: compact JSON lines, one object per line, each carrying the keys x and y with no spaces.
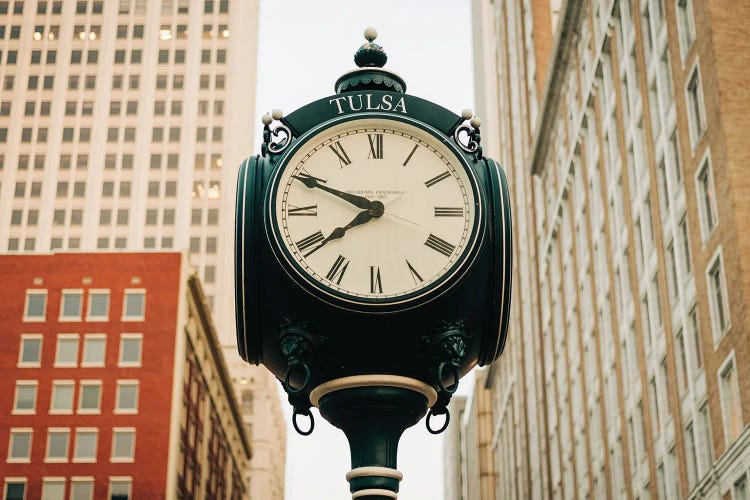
{"x":339,"y":232}
{"x":314,"y":182}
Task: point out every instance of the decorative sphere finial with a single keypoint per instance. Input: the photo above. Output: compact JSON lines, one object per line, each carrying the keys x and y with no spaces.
{"x":370,"y":33}
{"x":370,"y":55}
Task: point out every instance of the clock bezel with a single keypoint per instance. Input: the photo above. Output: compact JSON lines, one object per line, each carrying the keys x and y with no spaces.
{"x":327,"y":294}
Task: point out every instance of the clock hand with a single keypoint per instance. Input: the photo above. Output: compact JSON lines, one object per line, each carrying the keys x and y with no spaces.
{"x":405,"y":220}
{"x":312,"y":182}
{"x":361,"y":218}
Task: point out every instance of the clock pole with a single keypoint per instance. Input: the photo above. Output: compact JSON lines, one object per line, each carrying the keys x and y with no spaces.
{"x":373,"y":365}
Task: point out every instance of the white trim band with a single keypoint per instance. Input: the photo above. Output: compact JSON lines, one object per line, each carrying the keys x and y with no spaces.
{"x":374,"y":492}
{"x":373,"y":381}
{"x":374,"y":471}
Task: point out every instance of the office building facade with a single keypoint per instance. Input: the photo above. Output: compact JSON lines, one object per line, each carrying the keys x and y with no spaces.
{"x":116,"y":384}
{"x":122,"y":124}
{"x":620,"y":124}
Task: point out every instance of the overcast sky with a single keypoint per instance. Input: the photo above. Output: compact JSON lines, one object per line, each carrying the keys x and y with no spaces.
{"x":304,"y":46}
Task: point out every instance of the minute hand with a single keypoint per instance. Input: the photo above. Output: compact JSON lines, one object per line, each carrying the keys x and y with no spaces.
{"x":357,"y":201}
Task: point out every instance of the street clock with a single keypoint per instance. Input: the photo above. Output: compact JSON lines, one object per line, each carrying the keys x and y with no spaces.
{"x":373,"y":261}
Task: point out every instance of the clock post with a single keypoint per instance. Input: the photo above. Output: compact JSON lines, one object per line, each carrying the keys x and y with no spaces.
{"x":372,"y":261}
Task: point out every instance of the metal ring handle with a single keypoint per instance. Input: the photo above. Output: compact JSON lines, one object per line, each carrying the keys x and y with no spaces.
{"x":287,"y":385}
{"x":454,"y":371}
{"x":306,"y":413}
{"x":445,"y":424}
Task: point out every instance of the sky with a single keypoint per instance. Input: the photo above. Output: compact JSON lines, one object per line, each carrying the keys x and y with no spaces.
{"x":304,"y":46}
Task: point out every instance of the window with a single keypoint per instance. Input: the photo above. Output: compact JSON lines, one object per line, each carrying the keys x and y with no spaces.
{"x":123,"y":444}
{"x":85,"y":445}
{"x":89,"y":398}
{"x":740,"y":488}
{"x":707,"y":450}
{"x":717,"y":293}
{"x":19,"y":447}
{"x":122,"y":217}
{"x":696,"y":115}
{"x":672,"y":282}
{"x":98,"y":304}
{"x":684,"y":237}
{"x":62,"y":397}
{"x":135,"y":305}
{"x":53,"y":488}
{"x":685,"y":25}
{"x":36,"y":305}
{"x":119,"y":488}
{"x":130,"y":349}
{"x":691,"y":456}
{"x":71,"y":305}
{"x":81,"y":489}
{"x":706,"y":199}
{"x":730,"y":401}
{"x":30,"y":354}
{"x":58,"y":440}
{"x":94,"y":349}
{"x":126,"y":400}
{"x":15,"y":489}
{"x":67,"y":349}
{"x":25,"y":398}
{"x":695,"y":337}
{"x":681,"y":362}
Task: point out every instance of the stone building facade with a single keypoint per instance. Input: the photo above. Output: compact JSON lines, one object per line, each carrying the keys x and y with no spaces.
{"x":621,"y":126}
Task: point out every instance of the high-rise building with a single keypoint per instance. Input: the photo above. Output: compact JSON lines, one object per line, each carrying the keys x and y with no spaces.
{"x":115,"y":381}
{"x":122,"y":124}
{"x":621,"y":124}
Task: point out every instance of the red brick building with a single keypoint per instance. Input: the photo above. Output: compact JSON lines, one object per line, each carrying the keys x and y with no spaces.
{"x":113,"y":381}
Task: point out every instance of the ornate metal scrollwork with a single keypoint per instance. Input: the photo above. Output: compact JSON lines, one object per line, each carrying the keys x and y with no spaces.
{"x":468,"y":137}
{"x":277,"y":146}
{"x":276,"y":139}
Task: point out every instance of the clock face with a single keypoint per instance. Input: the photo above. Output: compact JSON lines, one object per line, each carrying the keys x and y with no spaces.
{"x":374,"y":211}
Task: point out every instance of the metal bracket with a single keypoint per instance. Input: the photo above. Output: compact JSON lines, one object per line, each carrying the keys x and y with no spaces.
{"x":298,"y":344}
{"x":446,"y":346}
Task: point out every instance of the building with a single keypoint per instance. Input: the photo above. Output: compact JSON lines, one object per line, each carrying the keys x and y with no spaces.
{"x":115,"y":380}
{"x":621,"y":125}
{"x":122,"y":124}
{"x":257,"y":390}
{"x":453,"y":462}
{"x":469,"y":470}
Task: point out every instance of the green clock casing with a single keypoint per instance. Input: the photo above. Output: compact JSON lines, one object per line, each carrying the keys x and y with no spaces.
{"x":374,"y":226}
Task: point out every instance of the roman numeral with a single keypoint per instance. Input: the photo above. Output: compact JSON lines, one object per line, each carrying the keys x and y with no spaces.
{"x":410,"y":155}
{"x":449,"y":212}
{"x":437,"y":179}
{"x":439,"y":245}
{"x":338,"y":150}
{"x":414,"y":274}
{"x":376,"y":146}
{"x":311,"y":240}
{"x":311,"y":210}
{"x":376,"y":286}
{"x":338,"y":269}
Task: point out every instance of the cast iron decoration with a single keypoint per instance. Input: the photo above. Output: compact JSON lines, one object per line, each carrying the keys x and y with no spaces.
{"x":373,"y":261}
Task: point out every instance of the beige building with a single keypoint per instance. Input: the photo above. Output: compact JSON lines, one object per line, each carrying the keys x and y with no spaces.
{"x":122,"y":124}
{"x":621,"y":125}
{"x":469,"y":466}
{"x":453,"y":458}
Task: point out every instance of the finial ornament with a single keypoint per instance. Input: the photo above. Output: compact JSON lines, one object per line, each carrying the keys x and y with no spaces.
{"x":370,"y":55}
{"x":370,"y":34}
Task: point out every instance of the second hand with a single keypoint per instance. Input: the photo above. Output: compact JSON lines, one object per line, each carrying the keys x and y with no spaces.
{"x":398,"y":217}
